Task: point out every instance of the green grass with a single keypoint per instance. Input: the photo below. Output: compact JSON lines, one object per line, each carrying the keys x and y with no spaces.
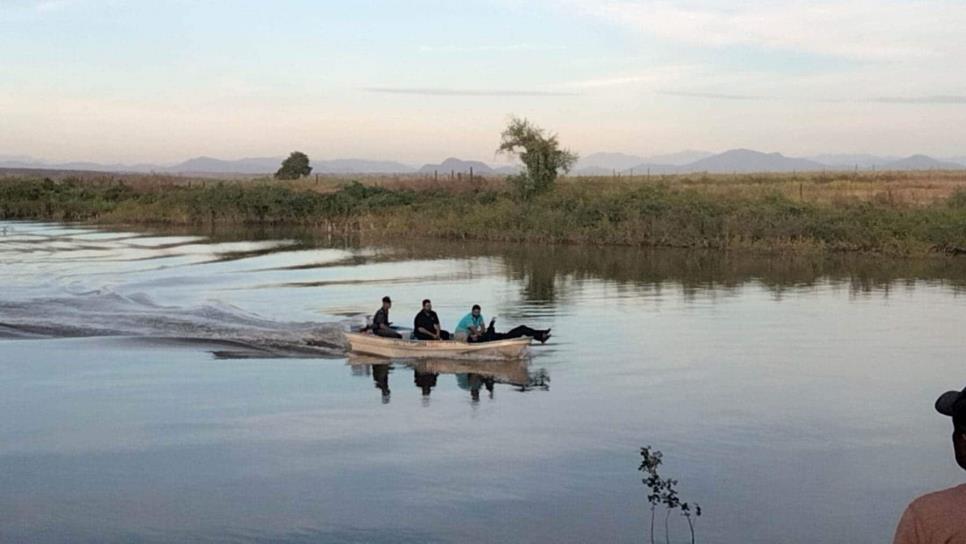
{"x":589,"y":211}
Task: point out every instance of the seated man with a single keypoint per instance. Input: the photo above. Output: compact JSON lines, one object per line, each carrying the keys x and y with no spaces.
{"x":426,"y":324}
{"x":380,"y":322}
{"x":472,"y":326}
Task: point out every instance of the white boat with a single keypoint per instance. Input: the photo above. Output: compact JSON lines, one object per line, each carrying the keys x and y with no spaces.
{"x":371,"y":344}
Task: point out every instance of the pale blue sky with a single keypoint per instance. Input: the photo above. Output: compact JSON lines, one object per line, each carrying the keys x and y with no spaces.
{"x":417,"y":81}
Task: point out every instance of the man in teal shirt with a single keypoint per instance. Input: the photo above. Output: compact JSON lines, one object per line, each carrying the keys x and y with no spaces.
{"x":472,"y":329}
{"x":471,"y":326}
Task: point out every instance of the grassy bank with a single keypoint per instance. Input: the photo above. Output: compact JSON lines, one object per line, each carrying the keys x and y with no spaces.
{"x":903,"y":214}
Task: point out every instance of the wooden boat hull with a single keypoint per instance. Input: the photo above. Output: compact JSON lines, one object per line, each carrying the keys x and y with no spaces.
{"x":391,"y":348}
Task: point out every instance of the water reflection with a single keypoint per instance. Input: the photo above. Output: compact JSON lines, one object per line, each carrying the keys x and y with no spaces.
{"x":471,"y":376}
{"x":548,"y":273}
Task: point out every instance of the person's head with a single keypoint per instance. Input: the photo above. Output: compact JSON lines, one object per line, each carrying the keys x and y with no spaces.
{"x":953,"y":404}
{"x":386,"y":303}
{"x":476,"y":310}
{"x":427,"y":304}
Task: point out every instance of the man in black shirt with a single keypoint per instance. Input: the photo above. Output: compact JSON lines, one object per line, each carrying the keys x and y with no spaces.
{"x":380,"y":321}
{"x":426,"y":324}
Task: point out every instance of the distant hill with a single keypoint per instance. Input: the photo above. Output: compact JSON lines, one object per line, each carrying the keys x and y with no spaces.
{"x":863,"y":161}
{"x":458,"y":166}
{"x":680,"y":158}
{"x":79,"y":166}
{"x":608,"y":162}
{"x":600,"y":164}
{"x":654,"y":169}
{"x":209,"y":165}
{"x":592,"y":171}
{"x":595,"y":164}
{"x":922,"y":162}
{"x":359,"y":166}
{"x":747,"y":160}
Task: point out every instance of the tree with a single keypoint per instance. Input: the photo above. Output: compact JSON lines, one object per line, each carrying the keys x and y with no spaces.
{"x":540,"y":153}
{"x":294,"y":167}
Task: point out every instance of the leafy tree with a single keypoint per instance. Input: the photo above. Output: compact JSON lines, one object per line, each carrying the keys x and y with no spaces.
{"x":294,"y":167}
{"x":540,"y":153}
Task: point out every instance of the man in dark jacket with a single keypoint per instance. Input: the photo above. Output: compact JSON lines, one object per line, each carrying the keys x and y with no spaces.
{"x":426,"y":324}
{"x":381,"y":325}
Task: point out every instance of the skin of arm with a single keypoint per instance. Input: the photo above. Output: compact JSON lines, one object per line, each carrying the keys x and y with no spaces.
{"x":477,"y":330}
{"x":433,"y":334}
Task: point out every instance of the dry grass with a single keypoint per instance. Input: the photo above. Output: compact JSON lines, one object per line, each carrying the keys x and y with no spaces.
{"x":896,"y":212}
{"x":901,"y":189}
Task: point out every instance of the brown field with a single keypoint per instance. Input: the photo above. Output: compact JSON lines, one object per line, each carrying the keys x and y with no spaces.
{"x":902,"y":189}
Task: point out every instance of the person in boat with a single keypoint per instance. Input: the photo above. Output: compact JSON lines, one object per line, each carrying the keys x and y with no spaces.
{"x":939,"y":517}
{"x":381,"y":326}
{"x":472,"y":328}
{"x":426,"y":324}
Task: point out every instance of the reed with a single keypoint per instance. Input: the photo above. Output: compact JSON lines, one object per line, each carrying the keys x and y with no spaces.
{"x":900,"y":214}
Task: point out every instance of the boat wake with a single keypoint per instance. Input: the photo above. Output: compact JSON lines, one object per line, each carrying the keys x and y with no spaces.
{"x":106,"y":313}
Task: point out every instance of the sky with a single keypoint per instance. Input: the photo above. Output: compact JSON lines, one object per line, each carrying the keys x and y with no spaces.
{"x":418,"y":81}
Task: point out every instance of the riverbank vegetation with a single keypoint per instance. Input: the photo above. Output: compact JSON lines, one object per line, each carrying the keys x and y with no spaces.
{"x":892,"y":213}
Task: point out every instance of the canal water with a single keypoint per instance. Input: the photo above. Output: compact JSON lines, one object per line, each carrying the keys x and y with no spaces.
{"x":193,"y":386}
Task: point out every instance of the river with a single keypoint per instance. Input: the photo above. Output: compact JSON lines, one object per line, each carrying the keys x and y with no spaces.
{"x":192,"y":386}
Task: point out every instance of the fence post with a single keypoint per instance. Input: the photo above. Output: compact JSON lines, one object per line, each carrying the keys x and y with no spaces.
{"x":471,"y":174}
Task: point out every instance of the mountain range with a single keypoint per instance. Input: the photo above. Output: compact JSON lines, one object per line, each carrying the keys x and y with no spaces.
{"x":747,"y":161}
{"x":735,"y":160}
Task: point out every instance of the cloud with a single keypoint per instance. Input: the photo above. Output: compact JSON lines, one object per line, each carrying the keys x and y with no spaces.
{"x":496,"y":48}
{"x":654,"y":76}
{"x":937,"y":99}
{"x":613,"y":81}
{"x":464,"y":92}
{"x":868,"y":30}
{"x":720,"y":96}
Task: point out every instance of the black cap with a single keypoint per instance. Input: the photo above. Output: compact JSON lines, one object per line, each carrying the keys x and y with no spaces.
{"x":953,"y":404}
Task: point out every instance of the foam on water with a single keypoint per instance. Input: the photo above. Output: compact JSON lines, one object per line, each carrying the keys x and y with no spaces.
{"x":63,"y":282}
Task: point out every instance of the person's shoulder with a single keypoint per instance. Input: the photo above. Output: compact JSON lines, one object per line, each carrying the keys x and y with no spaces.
{"x":953,"y":497}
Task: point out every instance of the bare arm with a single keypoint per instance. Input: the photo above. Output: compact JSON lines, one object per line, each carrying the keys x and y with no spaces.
{"x":909,"y":530}
{"x":433,"y":334}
